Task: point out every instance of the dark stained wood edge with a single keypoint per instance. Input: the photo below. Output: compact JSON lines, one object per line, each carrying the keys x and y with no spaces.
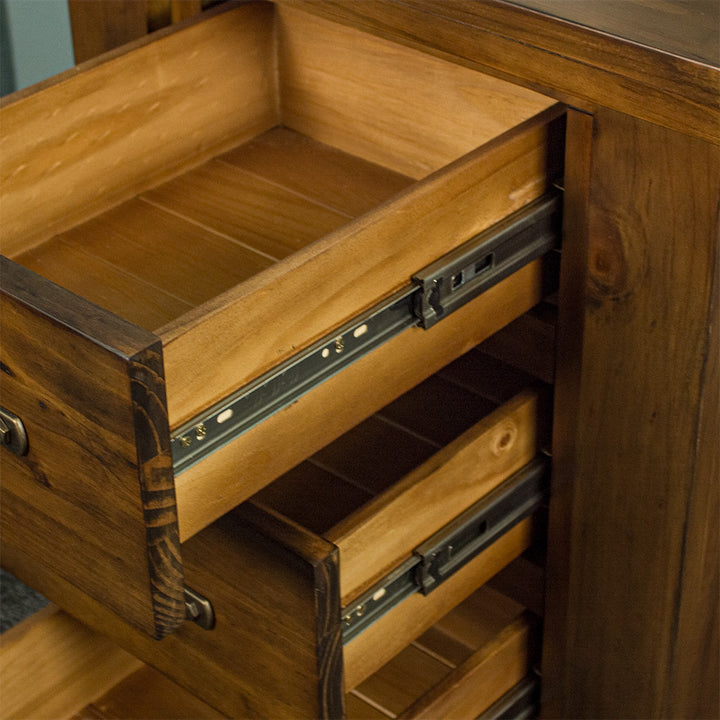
{"x":141,"y":354}
{"x":698,"y":602}
{"x":639,"y":610}
{"x":575,"y":64}
{"x":157,"y":488}
{"x":324,"y":558}
{"x":677,"y":27}
{"x":66,"y":309}
{"x":568,"y":373}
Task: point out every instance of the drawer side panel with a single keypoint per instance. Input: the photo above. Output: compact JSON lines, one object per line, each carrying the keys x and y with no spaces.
{"x":93,"y":500}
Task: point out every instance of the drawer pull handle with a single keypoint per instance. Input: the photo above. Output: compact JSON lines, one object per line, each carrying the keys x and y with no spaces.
{"x":199,"y":610}
{"x":13,"y":434}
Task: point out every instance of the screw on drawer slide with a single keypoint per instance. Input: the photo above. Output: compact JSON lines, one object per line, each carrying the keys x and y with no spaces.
{"x":452,"y":547}
{"x":435,"y":292}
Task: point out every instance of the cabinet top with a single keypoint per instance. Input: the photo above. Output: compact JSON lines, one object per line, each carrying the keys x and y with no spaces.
{"x":689,"y":29}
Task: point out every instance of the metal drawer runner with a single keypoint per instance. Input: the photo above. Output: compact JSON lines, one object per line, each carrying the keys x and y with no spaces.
{"x":434,"y":293}
{"x":453,"y":546}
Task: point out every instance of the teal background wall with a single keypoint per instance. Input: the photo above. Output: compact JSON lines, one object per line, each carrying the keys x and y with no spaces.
{"x":35,"y":41}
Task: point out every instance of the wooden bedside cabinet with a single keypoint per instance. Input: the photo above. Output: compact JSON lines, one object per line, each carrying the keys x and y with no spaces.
{"x":249,"y":268}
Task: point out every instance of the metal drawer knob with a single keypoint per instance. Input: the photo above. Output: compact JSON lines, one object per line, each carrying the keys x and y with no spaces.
{"x":12,"y":432}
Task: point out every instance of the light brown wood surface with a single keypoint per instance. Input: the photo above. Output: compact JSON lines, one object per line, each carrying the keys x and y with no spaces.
{"x":371,"y":649}
{"x":406,"y":110}
{"x":430,"y":496}
{"x":482,"y":679}
{"x":132,"y":121}
{"x":51,"y":666}
{"x":336,"y":179}
{"x":263,"y":321}
{"x":93,"y":499}
{"x":471,"y":649}
{"x":147,"y":694}
{"x":581,"y":66}
{"x":204,"y":491}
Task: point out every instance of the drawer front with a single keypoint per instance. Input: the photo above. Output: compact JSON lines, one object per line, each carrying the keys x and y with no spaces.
{"x":92,"y":497}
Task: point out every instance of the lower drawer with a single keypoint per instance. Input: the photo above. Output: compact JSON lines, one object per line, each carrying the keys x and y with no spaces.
{"x":303,"y":578}
{"x":476,"y":661}
{"x":285,"y":582}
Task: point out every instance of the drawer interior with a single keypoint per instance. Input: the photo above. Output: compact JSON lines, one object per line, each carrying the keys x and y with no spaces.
{"x":398,"y":467}
{"x":463,"y":664}
{"x":176,"y":246}
{"x":481,"y":651}
{"x":383,"y":488}
{"x":254,"y":147}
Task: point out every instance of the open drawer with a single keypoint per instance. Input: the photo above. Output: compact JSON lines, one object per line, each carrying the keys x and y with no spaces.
{"x":293,"y":621}
{"x":184,"y":217}
{"x":475,"y":662}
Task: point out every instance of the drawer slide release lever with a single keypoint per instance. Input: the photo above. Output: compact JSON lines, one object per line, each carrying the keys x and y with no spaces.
{"x":485,"y":260}
{"x":454,"y":545}
{"x":477,"y":528}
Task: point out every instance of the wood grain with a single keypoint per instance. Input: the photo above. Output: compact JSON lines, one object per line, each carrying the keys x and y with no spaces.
{"x":267,"y":318}
{"x":320,"y":172}
{"x":147,"y":694}
{"x":51,"y":666}
{"x":407,"y":676}
{"x":638,"y":528}
{"x":386,"y":103}
{"x":579,"y":65}
{"x":409,"y":619}
{"x":469,"y":626}
{"x":98,"y":137}
{"x":277,"y":620}
{"x":101,"y":25}
{"x":673,"y":26}
{"x":94,"y":498}
{"x":179,"y":257}
{"x":482,"y":679}
{"x":204,"y":492}
{"x":262,"y":215}
{"x":371,"y":540}
{"x":528,"y":343}
{"x":104,"y":284}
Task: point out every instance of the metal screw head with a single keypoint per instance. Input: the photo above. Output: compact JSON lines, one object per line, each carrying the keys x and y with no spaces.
{"x":200,"y":431}
{"x":339,"y":344}
{"x":185,"y":441}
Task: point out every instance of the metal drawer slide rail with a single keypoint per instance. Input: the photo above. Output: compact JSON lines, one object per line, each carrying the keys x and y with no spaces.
{"x":435,"y":292}
{"x":452,"y":547}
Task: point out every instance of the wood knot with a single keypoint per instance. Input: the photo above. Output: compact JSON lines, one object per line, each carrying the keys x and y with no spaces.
{"x":504,"y":438}
{"x":608,"y":268}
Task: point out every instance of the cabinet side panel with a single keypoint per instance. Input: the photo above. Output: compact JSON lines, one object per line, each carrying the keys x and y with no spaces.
{"x":93,"y":500}
{"x":641,"y":528}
